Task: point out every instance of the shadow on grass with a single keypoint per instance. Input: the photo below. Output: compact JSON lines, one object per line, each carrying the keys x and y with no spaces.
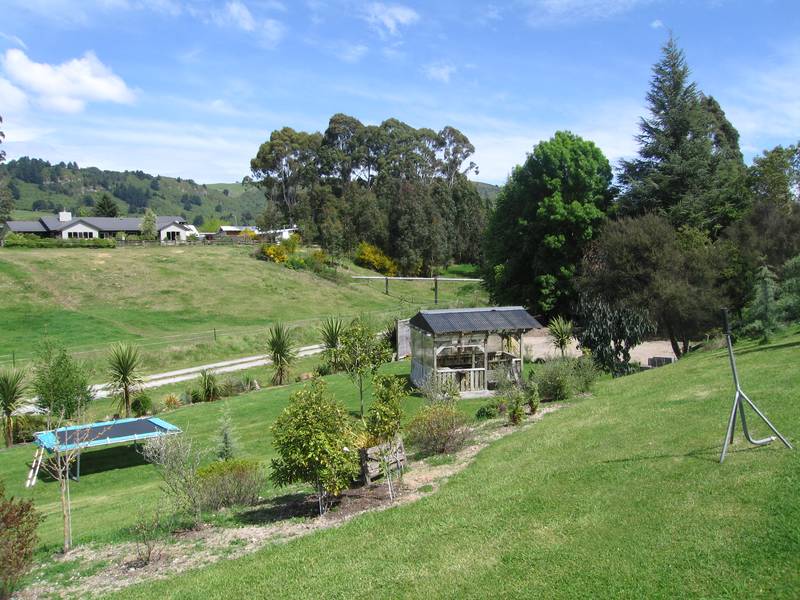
{"x":100,"y":461}
{"x":767,"y":347}
{"x":280,"y":508}
{"x":708,"y":454}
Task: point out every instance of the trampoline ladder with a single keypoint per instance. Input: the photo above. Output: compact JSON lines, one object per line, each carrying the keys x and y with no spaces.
{"x":33,"y":474}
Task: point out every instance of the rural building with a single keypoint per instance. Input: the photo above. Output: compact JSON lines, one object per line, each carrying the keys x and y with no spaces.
{"x":468,"y":346}
{"x":63,"y":225}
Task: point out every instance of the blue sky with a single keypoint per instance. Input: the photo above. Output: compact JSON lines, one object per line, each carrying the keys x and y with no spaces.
{"x":192,"y":87}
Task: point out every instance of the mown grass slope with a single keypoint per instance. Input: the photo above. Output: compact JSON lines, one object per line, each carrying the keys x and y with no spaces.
{"x":116,"y":484}
{"x":171,"y":299}
{"x":617,"y":495}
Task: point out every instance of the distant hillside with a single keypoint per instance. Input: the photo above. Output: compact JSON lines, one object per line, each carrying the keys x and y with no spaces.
{"x":40,"y":188}
{"x":487,"y":191}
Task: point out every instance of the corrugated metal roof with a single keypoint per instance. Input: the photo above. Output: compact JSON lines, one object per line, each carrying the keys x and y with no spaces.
{"x":483,"y":320}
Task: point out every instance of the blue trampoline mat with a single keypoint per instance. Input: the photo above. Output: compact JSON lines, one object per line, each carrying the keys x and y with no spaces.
{"x":103,"y":433}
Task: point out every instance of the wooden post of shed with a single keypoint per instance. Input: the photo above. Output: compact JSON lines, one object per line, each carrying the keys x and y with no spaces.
{"x":486,"y":361}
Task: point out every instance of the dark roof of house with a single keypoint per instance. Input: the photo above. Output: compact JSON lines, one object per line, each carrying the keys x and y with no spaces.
{"x":26,"y":227}
{"x":483,"y":320}
{"x":51,"y":223}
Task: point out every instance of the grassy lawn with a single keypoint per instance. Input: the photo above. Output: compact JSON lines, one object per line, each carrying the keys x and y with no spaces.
{"x":170,"y":300}
{"x":617,"y":495}
{"x":116,"y":484}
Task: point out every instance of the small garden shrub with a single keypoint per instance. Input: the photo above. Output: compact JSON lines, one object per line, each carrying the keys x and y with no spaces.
{"x":371,"y":257}
{"x":494,"y":407}
{"x":532,"y":396}
{"x":147,"y":531}
{"x":18,"y":539}
{"x":25,"y":428}
{"x":141,"y":404}
{"x":236,"y":482}
{"x":586,"y":373}
{"x":439,"y":428}
{"x":210,"y":389}
{"x":171,"y":402}
{"x":273,"y":253}
{"x":516,"y":399}
{"x":555,"y":380}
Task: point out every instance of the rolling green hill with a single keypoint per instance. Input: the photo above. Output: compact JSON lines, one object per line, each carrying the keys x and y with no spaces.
{"x":185,"y":305}
{"x":41,"y":188}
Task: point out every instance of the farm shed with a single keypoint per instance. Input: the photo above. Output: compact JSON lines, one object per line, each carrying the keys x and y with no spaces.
{"x":468,"y":346}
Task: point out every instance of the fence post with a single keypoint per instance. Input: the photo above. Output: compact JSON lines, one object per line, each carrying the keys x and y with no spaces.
{"x":215,"y":334}
{"x":436,"y":289}
{"x":13,"y":360}
{"x":387,"y":286}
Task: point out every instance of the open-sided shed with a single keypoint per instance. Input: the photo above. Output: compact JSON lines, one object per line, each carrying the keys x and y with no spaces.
{"x":469,"y":346}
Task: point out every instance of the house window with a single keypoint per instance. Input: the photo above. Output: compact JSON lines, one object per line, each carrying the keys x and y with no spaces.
{"x":173,"y":236}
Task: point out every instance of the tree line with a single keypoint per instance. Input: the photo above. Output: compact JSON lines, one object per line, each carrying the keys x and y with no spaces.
{"x":682,"y":231}
{"x":402,"y":189}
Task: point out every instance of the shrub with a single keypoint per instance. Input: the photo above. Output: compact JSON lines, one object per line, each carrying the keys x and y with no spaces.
{"x":371,"y":257}
{"x":177,"y":462}
{"x":227,"y":483}
{"x":227,"y":445}
{"x":438,"y":391}
{"x":282,"y":351}
{"x":292,"y":243}
{"x":515,"y":410}
{"x":315,"y":443}
{"x":248,"y":383}
{"x":171,"y":402}
{"x":25,"y":428}
{"x":147,"y":532}
{"x":18,"y":240}
{"x":273,"y":253}
{"x":209,"y":387}
{"x":18,"y":539}
{"x":487,"y":411}
{"x":141,"y":404}
{"x":560,"y":333}
{"x":385,"y":414}
{"x":532,"y":396}
{"x":228,"y":387}
{"x":555,"y":380}
{"x":191,"y":396}
{"x":586,"y":373}
{"x":438,"y":429}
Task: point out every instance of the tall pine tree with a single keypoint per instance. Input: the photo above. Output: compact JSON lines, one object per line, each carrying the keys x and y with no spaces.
{"x":690,"y":168}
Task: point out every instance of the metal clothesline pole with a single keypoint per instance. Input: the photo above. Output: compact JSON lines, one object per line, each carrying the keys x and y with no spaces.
{"x":738,"y":404}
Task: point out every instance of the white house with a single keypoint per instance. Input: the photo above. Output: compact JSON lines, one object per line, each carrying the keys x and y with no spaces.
{"x":170,"y":229}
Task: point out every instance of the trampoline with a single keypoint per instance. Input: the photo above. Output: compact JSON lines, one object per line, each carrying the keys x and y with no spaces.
{"x":103,"y":433}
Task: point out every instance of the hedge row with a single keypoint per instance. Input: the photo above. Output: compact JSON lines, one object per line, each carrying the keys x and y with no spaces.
{"x":17,"y":240}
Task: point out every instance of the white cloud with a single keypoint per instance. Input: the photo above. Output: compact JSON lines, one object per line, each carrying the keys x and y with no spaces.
{"x":439,"y":71}
{"x":237,"y":14}
{"x":350,"y":52}
{"x":12,"y":99}
{"x":68,"y":86}
{"x":14,"y":40}
{"x":387,"y":18}
{"x":544,"y":13}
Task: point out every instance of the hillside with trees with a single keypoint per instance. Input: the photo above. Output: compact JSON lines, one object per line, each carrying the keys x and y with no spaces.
{"x":400,"y":189}
{"x":38,"y":187}
{"x":689,"y":229}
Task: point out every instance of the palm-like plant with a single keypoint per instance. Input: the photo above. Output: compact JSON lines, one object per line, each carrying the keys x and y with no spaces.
{"x":12,"y":387}
{"x":124,"y":362}
{"x":560,"y":333}
{"x":280,"y":345}
{"x":331,"y":332}
{"x":209,"y":386}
